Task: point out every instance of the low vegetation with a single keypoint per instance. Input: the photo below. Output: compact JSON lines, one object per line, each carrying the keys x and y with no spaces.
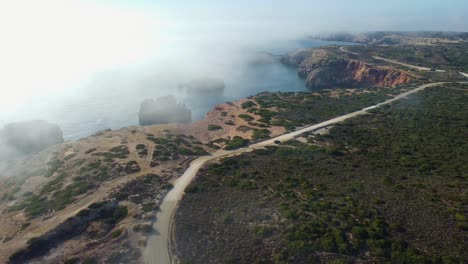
{"x":446,"y":56}
{"x":236,"y":142}
{"x":388,"y":187}
{"x":214,"y":127}
{"x":304,"y":108}
{"x":173,"y":147}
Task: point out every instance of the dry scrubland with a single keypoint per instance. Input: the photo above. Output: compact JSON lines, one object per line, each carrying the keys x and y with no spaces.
{"x":385,"y":187}
{"x":389,"y":186}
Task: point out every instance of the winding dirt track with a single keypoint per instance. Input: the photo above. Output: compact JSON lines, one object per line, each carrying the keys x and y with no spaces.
{"x":158,"y":246}
{"x":407,"y":65}
{"x":343,"y":49}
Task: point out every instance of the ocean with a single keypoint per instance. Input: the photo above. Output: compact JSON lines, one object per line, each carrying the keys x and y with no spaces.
{"x":114,"y":102}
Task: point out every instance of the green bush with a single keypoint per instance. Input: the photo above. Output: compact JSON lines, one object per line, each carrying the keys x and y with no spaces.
{"x":236,"y":142}
{"x":248,"y":104}
{"x":214,"y":127}
{"x":90,"y":260}
{"x":246,"y":117}
{"x":140,"y":146}
{"x":144,"y":229}
{"x":261,"y":134}
{"x":71,"y":261}
{"x":53,"y":166}
{"x":119,"y":213}
{"x":116,"y":233}
{"x":227,"y":219}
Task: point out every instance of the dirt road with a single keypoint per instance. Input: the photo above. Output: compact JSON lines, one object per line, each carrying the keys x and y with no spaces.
{"x":347,"y":51}
{"x":397,"y":62}
{"x":407,"y":65}
{"x":158,"y":245}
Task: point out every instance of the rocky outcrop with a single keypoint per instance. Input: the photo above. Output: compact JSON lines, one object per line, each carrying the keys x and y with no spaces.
{"x":204,"y":86}
{"x":352,"y":73}
{"x":324,"y":70}
{"x":28,"y":137}
{"x":163,"y":110}
{"x":298,"y":57}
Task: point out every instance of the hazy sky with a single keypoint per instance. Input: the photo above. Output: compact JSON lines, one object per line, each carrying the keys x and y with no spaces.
{"x":49,"y":46}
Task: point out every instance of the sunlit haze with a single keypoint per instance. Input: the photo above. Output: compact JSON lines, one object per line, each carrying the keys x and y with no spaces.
{"x":55,"y":53}
{"x":49,"y":46}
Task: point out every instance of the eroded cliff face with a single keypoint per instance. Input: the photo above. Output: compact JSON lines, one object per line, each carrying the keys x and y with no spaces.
{"x":324,"y":70}
{"x":352,"y":73}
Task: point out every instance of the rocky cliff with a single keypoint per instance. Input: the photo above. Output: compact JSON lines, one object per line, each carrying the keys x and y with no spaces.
{"x":352,"y":73}
{"x":163,"y":110}
{"x":324,"y":70}
{"x":203,"y":86}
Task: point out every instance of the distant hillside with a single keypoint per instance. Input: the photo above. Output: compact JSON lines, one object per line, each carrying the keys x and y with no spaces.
{"x":396,"y":37}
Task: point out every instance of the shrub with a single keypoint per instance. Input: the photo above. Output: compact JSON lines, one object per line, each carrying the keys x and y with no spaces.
{"x":120,"y":212}
{"x":214,"y":127}
{"x":236,"y":142}
{"x":144,"y":229}
{"x":25,"y":225}
{"x":53,"y":166}
{"x":140,"y":146}
{"x":261,"y":134}
{"x":71,"y":261}
{"x":148,"y":207}
{"x":246,"y":117}
{"x":263,"y":232}
{"x":228,"y":219}
{"x":248,"y":104}
{"x":90,"y":151}
{"x":90,"y":260}
{"x":116,"y":233}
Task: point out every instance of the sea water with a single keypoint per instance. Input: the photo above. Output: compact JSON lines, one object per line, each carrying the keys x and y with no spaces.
{"x":114,"y":103}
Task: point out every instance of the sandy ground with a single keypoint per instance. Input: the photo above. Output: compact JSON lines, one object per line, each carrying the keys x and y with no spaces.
{"x":13,"y":238}
{"x":231,"y":111}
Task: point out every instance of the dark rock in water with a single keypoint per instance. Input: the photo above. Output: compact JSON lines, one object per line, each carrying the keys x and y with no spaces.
{"x":203,"y":86}
{"x":28,"y":137}
{"x":163,"y":110}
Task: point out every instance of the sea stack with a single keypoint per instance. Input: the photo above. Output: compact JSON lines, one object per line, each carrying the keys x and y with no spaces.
{"x":163,"y":110}
{"x":203,"y":86}
{"x":28,"y":137}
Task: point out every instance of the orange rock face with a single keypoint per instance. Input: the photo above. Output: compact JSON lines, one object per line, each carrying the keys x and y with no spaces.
{"x":353,"y":73}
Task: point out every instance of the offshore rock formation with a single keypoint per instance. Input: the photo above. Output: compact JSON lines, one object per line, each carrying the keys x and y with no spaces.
{"x":203,"y":86}
{"x":28,"y":137}
{"x":323,"y":70}
{"x":163,"y":110}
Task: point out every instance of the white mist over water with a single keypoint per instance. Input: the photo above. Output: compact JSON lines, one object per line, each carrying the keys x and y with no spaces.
{"x":112,"y":100}
{"x":87,"y":65}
